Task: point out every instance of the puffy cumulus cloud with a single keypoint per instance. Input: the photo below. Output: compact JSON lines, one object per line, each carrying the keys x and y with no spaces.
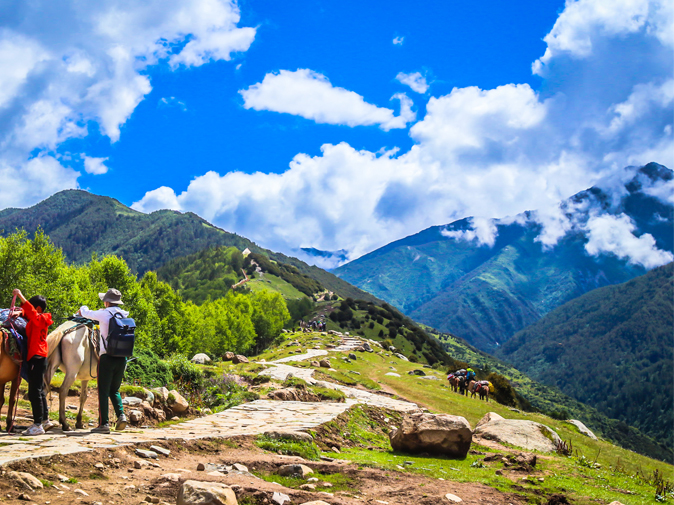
{"x":614,"y":235}
{"x":482,"y":230}
{"x":605,"y":102}
{"x":416,"y":81}
{"x":398,"y":41}
{"x":65,"y":63}
{"x":160,"y":198}
{"x":311,"y":95}
{"x":583,"y":24}
{"x":95,"y":166}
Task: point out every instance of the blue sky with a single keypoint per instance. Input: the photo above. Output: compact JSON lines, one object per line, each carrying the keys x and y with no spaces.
{"x":296,"y":126}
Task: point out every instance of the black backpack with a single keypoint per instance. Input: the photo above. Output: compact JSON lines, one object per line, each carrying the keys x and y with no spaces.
{"x":121,"y":336}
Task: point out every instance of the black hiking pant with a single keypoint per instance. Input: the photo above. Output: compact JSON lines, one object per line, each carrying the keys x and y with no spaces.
{"x":110,"y":375}
{"x":37,"y":366}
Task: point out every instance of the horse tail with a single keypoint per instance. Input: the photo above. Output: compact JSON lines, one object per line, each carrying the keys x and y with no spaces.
{"x":55,"y":337}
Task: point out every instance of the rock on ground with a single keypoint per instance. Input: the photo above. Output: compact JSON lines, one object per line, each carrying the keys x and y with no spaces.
{"x":582,"y":428}
{"x":297,"y":436}
{"x":433,"y":433}
{"x":239,"y":359}
{"x":177,"y":403}
{"x":229,"y":356}
{"x":201,"y":358}
{"x":453,"y":498}
{"x":487,"y":418}
{"x":28,"y":480}
{"x":529,"y":435}
{"x":194,"y":492}
{"x":299,"y":470}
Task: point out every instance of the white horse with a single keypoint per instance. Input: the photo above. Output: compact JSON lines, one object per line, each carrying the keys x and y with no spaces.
{"x":70,"y":349}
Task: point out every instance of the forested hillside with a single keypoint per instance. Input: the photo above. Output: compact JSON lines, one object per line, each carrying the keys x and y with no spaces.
{"x":612,"y":348}
{"x":484,"y":292}
{"x":83,"y":224}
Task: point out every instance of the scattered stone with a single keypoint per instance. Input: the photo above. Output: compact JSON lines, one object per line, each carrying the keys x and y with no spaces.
{"x":400,"y":356}
{"x":488,"y":418}
{"x":136,"y":416}
{"x":25,"y":497}
{"x":161,"y":394}
{"x":335,"y":450}
{"x":160,"y":450}
{"x":139,"y":464}
{"x":201,"y":467}
{"x":433,"y":433}
{"x":229,"y":356}
{"x":152,"y":499}
{"x":79,"y":491}
{"x":453,"y":498}
{"x":582,"y":428}
{"x":170,"y":477}
{"x":529,"y":435}
{"x":240,"y":468}
{"x":177,"y":403}
{"x":201,"y":358}
{"x":26,"y":479}
{"x":392,"y":374}
{"x":297,"y":436}
{"x":175,"y":418}
{"x":416,"y":372}
{"x":62,"y":478}
{"x":308,"y":487}
{"x":131,"y":401}
{"x":239,"y":359}
{"x":278,"y":498}
{"x":353,"y":356}
{"x":315,"y":364}
{"x":312,"y":479}
{"x":325,"y":484}
{"x":299,"y":470}
{"x":194,"y":492}
{"x":143,"y":453}
{"x":324,"y":363}
{"x":99,"y":466}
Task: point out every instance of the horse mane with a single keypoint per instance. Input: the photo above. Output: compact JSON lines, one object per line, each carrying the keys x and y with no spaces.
{"x":54,"y":338}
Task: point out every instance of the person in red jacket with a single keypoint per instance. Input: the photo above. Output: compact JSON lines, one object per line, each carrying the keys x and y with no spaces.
{"x":33,"y":311}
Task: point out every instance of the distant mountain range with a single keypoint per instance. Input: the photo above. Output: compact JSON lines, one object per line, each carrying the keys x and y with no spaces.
{"x":485,"y":281}
{"x":612,"y":348}
{"x":82,"y":224}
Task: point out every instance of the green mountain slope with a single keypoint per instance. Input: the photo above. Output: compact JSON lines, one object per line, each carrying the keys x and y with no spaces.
{"x":82,"y":224}
{"x":611,"y":348}
{"x":485,"y":293}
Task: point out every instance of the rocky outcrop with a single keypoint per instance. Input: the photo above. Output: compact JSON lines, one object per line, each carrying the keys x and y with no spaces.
{"x":201,"y":358}
{"x":194,"y":492}
{"x":487,"y":418}
{"x":433,"y":433}
{"x":582,"y":428}
{"x":529,"y":435}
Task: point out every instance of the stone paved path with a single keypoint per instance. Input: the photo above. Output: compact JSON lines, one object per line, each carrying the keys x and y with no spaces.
{"x":252,"y":418}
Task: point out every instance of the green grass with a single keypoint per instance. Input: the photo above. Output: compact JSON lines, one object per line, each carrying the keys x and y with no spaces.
{"x":328,"y":394}
{"x":270,"y":282}
{"x":340,"y":482}
{"x":306,"y":450}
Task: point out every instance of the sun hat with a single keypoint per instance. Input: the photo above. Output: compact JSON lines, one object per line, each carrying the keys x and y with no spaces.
{"x":112,"y":295}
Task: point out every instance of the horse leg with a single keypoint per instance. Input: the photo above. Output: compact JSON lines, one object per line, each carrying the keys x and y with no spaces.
{"x":83,"y":398}
{"x":2,"y":403}
{"x":68,"y":381}
{"x":13,"y":393}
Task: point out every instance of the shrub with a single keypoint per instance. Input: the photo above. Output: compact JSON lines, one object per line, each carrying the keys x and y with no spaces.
{"x":186,"y":374}
{"x":413,"y":358}
{"x":148,"y":370}
{"x":225,"y":392}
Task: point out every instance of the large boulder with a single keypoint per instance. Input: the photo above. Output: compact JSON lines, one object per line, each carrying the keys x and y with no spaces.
{"x":433,"y":433}
{"x":161,"y":394}
{"x":582,"y":428}
{"x":201,"y":358}
{"x":194,"y":492}
{"x":229,"y":356}
{"x":239,"y":359}
{"x":488,"y":418}
{"x":529,"y":435}
{"x":177,"y":403}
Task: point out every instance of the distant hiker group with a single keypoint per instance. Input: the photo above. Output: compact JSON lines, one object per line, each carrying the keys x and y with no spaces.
{"x":465,"y":381}
{"x":309,"y":326}
{"x":92,"y":344}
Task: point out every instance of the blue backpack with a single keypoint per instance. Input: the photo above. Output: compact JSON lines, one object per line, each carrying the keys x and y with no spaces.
{"x":121,"y":336}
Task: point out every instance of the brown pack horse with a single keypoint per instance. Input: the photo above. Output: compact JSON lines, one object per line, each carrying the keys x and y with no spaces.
{"x":480,"y":389}
{"x":9,"y":372}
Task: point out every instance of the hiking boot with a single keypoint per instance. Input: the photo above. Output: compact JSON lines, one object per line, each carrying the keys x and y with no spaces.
{"x":121,"y":423}
{"x":103,"y":428}
{"x":34,"y":430}
{"x":48,"y":425}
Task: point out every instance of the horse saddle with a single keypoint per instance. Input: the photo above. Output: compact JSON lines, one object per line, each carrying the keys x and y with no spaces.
{"x":14,"y":345}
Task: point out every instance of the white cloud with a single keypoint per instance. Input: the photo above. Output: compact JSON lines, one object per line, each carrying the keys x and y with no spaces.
{"x":160,"y":198}
{"x":482,"y":230}
{"x":398,"y":41}
{"x":416,"y":81}
{"x":65,"y":63}
{"x":309,"y":94}
{"x":614,"y":235}
{"x":606,"y":103}
{"x":95,"y":166}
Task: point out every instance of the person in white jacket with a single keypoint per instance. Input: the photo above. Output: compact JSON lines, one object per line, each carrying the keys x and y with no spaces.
{"x":110,"y":368}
